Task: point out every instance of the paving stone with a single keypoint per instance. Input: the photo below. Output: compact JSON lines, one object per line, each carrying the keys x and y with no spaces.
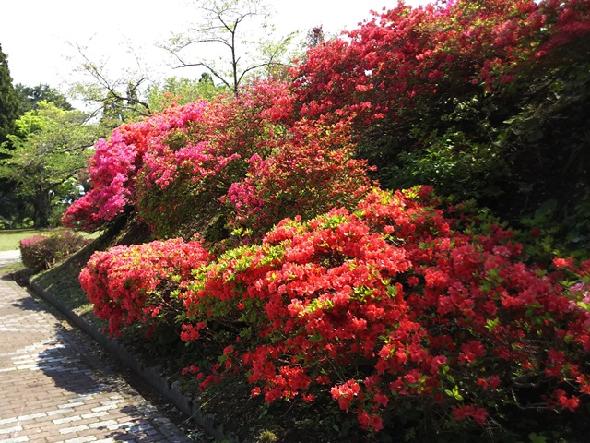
{"x":53,"y":390}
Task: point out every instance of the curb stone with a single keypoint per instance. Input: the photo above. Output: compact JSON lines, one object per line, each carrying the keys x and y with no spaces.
{"x":151,"y":375}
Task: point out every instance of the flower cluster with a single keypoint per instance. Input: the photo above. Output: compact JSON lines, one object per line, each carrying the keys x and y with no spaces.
{"x":115,"y":163}
{"x":372,"y":308}
{"x":122,"y":282}
{"x":239,"y":160}
{"x":33,"y":240}
{"x":310,"y":171}
{"x":404,"y":54}
{"x":392,"y":303}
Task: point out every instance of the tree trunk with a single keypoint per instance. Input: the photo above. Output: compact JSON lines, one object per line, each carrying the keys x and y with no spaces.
{"x":234,"y":62}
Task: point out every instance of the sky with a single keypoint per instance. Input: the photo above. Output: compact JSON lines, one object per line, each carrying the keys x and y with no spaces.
{"x":39,"y":36}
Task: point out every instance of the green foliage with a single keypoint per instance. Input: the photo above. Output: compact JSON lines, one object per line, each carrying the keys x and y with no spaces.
{"x":30,"y":97}
{"x":11,"y":209}
{"x":8,"y":99}
{"x":266,"y":436}
{"x":557,"y":229}
{"x":48,"y":149}
{"x":180,"y":200}
{"x":462,"y":167}
{"x":179,"y":91}
{"x":513,"y":149}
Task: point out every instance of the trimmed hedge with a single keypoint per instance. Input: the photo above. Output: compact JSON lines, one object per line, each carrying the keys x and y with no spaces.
{"x":40,"y":252}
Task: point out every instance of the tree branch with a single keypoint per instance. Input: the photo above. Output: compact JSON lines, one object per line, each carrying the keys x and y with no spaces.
{"x":97,"y":74}
{"x":220,"y":25}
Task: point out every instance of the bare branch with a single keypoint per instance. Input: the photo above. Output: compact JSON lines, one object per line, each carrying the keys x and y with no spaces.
{"x":210,"y":68}
{"x":96,"y":71}
{"x":223,"y":24}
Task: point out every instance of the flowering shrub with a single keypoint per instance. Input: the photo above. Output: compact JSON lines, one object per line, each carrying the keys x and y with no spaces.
{"x":381,"y":308}
{"x":390,"y":304}
{"x":40,"y":252}
{"x":309,"y":172}
{"x":193,"y":167}
{"x":113,"y":166}
{"x":387,"y":305}
{"x":31,"y":252}
{"x":120,"y":281}
{"x":404,"y":54}
{"x":231,"y":158}
{"x":465,"y":96}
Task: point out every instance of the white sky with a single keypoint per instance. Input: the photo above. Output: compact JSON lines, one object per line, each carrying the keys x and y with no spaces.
{"x":36,"y":34}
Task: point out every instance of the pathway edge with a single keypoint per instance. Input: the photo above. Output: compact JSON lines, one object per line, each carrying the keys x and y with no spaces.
{"x":150,"y":375}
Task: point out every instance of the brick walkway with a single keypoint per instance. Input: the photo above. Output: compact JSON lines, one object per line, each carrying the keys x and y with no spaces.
{"x":55,"y":387}
{"x":7,"y":257}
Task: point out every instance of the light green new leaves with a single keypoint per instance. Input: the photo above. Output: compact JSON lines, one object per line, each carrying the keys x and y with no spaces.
{"x":45,"y":154}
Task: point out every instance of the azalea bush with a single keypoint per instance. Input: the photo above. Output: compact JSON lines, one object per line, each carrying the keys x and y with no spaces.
{"x":388,"y":307}
{"x":119,"y":282}
{"x":40,"y":252}
{"x":31,"y":251}
{"x":390,"y":63}
{"x":309,"y":172}
{"x":288,"y":268}
{"x":212,"y":168}
{"x":114,"y":165}
{"x":385,"y":309}
{"x":470,"y":97}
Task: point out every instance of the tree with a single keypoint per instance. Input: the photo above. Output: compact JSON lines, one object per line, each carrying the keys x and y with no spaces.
{"x":8,"y":99}
{"x":116,"y":99}
{"x":29,"y":97}
{"x":228,"y":26}
{"x":8,"y":114}
{"x":49,"y":147}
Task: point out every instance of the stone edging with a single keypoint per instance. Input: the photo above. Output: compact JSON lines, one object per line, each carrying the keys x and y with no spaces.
{"x":150,"y":375}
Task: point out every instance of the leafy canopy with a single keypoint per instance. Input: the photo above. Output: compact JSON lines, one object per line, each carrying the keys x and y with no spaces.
{"x":49,"y":147}
{"x":8,"y":99}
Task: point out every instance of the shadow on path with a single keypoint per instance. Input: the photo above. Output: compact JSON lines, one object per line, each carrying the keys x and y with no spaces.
{"x":64,"y":364}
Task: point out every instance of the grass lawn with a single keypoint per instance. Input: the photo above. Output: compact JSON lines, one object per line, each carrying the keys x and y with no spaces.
{"x":9,"y":239}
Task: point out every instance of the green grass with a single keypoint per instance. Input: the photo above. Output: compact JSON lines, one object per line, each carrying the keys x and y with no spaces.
{"x":9,"y":239}
{"x":61,"y":281}
{"x":11,"y":268}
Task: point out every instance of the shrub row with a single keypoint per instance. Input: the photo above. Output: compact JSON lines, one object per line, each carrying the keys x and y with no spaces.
{"x":311,"y":283}
{"x":386,"y":309}
{"x":228,"y":158}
